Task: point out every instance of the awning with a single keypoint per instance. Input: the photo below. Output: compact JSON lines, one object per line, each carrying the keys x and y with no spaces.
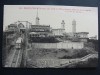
{"x":33,"y":33}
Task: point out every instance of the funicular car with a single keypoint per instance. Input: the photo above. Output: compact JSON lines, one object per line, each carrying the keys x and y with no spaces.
{"x":18,"y":43}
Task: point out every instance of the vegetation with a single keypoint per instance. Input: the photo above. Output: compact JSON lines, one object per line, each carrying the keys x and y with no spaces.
{"x":43,"y":39}
{"x":91,"y":62}
{"x":59,"y":53}
{"x":64,"y":54}
{"x":91,"y":47}
{"x":94,"y":44}
{"x":78,"y":53}
{"x":7,"y":44}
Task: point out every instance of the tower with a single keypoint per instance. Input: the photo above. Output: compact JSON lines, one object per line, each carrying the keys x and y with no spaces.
{"x":74,"y":26}
{"x":63,"y":24}
{"x":37,"y":18}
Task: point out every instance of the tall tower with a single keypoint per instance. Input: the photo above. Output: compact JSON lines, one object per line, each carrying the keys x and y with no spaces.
{"x":74,"y":26}
{"x":63,"y":24}
{"x":37,"y":18}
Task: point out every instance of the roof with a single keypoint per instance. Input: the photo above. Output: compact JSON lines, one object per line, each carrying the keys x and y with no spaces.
{"x":59,"y":29}
{"x":19,"y":40}
{"x":21,"y":25}
{"x":41,"y":25}
{"x":12,"y":25}
{"x":40,"y":33}
{"x":82,"y":32}
{"x":10,"y":30}
{"x":32,"y":33}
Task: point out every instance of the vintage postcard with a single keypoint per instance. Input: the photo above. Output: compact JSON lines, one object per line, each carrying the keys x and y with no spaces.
{"x":50,"y":36}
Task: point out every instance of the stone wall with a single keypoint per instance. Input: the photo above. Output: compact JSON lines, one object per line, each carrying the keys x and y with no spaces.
{"x":61,"y":45}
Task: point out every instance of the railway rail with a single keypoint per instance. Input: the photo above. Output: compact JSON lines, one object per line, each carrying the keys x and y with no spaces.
{"x":15,"y":59}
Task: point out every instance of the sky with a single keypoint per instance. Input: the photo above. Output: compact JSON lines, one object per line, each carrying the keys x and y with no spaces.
{"x":86,"y":17}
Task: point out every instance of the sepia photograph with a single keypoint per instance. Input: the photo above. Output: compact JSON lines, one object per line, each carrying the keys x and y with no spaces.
{"x":50,"y":36}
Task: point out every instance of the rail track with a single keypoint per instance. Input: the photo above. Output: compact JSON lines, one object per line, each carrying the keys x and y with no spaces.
{"x":15,"y":59}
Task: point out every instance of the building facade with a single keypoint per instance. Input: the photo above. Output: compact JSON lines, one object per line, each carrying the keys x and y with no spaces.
{"x":40,"y":30}
{"x":58,"y":32}
{"x":21,"y":28}
{"x":12,"y":28}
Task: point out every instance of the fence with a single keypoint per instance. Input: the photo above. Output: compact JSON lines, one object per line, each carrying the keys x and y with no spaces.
{"x":61,"y":45}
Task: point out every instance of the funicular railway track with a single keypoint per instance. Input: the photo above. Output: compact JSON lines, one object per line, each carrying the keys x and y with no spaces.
{"x":15,"y":58}
{"x":18,"y":54}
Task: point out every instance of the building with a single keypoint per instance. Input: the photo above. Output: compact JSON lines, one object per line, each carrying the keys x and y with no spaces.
{"x":73,"y":26}
{"x":83,"y":36}
{"x":38,"y":30}
{"x":76,"y":36}
{"x":37,"y":19}
{"x":93,"y":37}
{"x":63,"y":24}
{"x":79,"y":36}
{"x":21,"y":28}
{"x":12,"y":28}
{"x":59,"y":31}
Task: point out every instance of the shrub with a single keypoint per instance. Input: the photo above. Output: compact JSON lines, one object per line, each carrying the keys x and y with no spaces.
{"x":71,"y":54}
{"x":80,"y":53}
{"x":91,"y":62}
{"x":65,"y":57}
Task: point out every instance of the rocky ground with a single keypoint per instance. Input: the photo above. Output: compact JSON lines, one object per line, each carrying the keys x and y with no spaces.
{"x":56,"y":58}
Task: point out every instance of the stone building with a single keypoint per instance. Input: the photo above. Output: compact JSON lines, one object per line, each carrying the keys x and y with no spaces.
{"x":38,"y":30}
{"x":21,"y":28}
{"x":73,"y":26}
{"x":93,"y":37}
{"x":12,"y":28}
{"x":77,"y":36}
{"x":83,"y":36}
{"x":59,"y":31}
